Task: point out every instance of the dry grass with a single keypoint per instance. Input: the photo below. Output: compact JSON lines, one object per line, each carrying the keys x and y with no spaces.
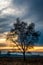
{"x":18,"y":61}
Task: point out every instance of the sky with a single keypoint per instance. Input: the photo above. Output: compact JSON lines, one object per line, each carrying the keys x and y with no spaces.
{"x":27,"y":10}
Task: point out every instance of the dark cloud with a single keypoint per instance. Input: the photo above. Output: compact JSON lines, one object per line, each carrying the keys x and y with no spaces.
{"x":20,"y":2}
{"x":33,"y":13}
{"x":3,"y":19}
{"x":6,"y":23}
{"x":37,"y":9}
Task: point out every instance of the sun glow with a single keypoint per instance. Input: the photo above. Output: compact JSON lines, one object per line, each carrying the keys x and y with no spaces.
{"x":15,"y":47}
{"x":2,"y":40}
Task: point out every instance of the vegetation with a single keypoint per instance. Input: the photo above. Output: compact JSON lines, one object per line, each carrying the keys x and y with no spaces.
{"x":12,"y":61}
{"x":27,"y":35}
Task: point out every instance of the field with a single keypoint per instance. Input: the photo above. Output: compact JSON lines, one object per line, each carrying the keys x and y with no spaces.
{"x":20,"y":61}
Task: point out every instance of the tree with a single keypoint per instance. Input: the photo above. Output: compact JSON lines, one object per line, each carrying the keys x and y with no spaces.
{"x":27,"y":35}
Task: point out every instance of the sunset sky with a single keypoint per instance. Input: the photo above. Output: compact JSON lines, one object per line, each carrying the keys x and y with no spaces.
{"x":27,"y":10}
{"x":8,"y":45}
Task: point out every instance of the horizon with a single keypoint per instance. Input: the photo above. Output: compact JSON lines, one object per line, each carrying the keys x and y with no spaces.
{"x":8,"y":45}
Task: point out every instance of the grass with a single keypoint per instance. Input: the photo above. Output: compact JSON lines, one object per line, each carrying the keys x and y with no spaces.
{"x":19,"y":61}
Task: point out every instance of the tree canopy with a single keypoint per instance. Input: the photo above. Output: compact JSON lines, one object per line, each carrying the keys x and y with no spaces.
{"x":27,"y":35}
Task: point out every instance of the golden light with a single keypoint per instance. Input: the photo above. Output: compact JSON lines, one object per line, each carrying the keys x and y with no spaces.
{"x":2,"y":40}
{"x":11,"y":46}
{"x":36,"y":49}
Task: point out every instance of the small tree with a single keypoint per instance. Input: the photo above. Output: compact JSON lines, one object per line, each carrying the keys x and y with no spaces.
{"x":27,"y":35}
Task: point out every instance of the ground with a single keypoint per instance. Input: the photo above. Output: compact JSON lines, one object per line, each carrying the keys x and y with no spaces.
{"x":19,"y":61}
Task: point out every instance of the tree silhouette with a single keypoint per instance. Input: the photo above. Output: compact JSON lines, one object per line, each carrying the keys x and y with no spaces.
{"x":27,"y":35}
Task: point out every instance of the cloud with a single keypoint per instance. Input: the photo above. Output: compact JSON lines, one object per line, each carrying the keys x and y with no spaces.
{"x":36,"y":9}
{"x":9,"y":13}
{"x":4,"y":3}
{"x":14,"y":11}
{"x":28,"y":11}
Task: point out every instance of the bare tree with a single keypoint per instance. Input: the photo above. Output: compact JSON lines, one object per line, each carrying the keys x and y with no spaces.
{"x":27,"y":35}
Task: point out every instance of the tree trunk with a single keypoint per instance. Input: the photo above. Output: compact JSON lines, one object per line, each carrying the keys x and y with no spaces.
{"x":24,"y":55}
{"x":8,"y":53}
